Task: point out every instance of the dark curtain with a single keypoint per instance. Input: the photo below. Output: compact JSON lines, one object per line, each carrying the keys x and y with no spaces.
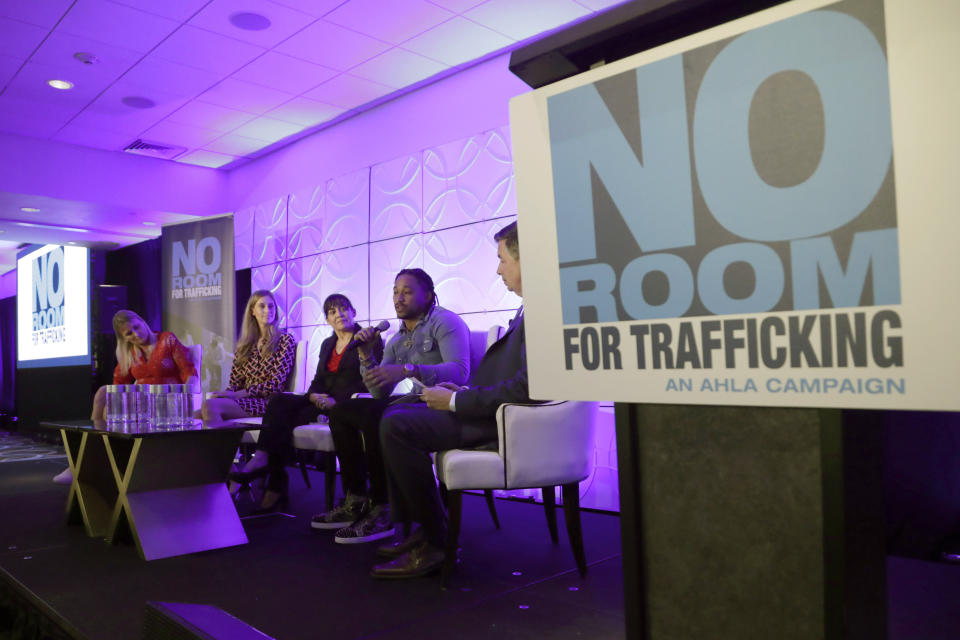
{"x":137,"y":267}
{"x":8,"y":354}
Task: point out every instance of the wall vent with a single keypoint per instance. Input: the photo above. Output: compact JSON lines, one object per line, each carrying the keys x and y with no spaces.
{"x":153,"y":149}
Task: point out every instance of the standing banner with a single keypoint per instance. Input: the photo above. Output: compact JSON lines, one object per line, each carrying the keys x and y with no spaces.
{"x":763,"y":213}
{"x":198,"y":292}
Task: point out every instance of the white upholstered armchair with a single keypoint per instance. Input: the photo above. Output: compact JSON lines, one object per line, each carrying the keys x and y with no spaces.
{"x":540,"y":446}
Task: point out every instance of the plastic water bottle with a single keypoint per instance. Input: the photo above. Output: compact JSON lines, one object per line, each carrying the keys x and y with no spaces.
{"x":157,"y":404}
{"x":143,"y":403}
{"x":128,"y":402}
{"x":175,"y":405}
{"x":186,"y":405}
{"x":114,"y":410}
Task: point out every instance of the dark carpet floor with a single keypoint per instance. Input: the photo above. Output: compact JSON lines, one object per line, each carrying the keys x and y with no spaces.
{"x":292,"y":582}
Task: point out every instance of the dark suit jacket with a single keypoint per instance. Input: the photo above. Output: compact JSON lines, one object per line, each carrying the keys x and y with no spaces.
{"x":346,"y":381}
{"x":500,"y":377}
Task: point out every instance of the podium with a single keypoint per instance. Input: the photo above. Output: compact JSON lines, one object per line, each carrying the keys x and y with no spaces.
{"x":745,"y":522}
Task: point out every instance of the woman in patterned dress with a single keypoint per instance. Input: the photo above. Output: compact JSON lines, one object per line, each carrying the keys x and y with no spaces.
{"x":337,"y":378}
{"x":261,"y":365}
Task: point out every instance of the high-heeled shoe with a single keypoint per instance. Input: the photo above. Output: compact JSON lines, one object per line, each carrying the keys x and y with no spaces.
{"x":272,"y":502}
{"x":244,"y":477}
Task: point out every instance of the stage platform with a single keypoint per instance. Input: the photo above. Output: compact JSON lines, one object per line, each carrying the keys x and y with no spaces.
{"x":292,"y":582}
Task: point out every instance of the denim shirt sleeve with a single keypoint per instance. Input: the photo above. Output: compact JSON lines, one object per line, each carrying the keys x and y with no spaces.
{"x":452,"y":338}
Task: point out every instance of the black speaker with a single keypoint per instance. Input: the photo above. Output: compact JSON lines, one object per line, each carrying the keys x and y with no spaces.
{"x":185,"y":621}
{"x":242,"y":291}
{"x":108,"y":299}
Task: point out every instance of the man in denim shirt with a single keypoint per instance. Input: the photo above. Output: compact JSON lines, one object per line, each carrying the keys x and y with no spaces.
{"x":431,"y":346}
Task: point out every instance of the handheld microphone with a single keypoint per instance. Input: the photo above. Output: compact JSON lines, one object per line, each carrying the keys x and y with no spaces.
{"x":380,"y":328}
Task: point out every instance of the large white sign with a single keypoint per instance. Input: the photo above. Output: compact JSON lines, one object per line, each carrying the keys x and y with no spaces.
{"x":759,"y":214}
{"x":53,"y":315}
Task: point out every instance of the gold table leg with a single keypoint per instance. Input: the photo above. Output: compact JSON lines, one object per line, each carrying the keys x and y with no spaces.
{"x":172,"y":495}
{"x":93,"y":491}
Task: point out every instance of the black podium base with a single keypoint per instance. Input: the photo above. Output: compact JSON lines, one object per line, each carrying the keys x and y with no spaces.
{"x":752,"y":522}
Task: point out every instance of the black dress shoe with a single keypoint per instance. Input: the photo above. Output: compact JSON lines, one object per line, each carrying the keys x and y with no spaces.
{"x":397,"y":549}
{"x":419,"y":561}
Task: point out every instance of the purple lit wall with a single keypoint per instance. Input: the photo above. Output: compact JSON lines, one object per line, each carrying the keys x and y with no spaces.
{"x":435,"y":206}
{"x":8,"y":284}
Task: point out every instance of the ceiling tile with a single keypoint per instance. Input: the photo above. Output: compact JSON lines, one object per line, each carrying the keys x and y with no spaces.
{"x":19,"y":38}
{"x":8,"y":67}
{"x":74,"y":133}
{"x":37,"y":115}
{"x":29,"y":124}
{"x":158,"y":74}
{"x":284,"y":21}
{"x":457,"y":6}
{"x":179,"y":10}
{"x":206,"y":50}
{"x":210,"y":116}
{"x":457,"y":41}
{"x":109,"y":112}
{"x":234,"y":145}
{"x":244,"y":96}
{"x":43,"y":13}
{"x":394,"y":21}
{"x":58,"y":50}
{"x":205,"y":159}
{"x":130,"y":123}
{"x":316,"y":8}
{"x":31,"y":83}
{"x":398,"y":68}
{"x":268,"y":129}
{"x":180,"y":135}
{"x":332,"y":46}
{"x":116,"y":24}
{"x":520,"y":20}
{"x":111,"y":100}
{"x":348,"y":91}
{"x":284,"y":73}
{"x":306,"y":112}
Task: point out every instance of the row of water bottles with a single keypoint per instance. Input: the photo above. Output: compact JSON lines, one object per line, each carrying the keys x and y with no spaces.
{"x":157,"y":404}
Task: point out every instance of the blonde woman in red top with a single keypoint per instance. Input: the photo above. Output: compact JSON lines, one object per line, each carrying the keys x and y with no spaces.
{"x":262,"y":363}
{"x":146,"y":357}
{"x":143,"y":357}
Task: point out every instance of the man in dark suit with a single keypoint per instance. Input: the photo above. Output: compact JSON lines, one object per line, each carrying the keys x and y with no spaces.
{"x":453,"y":417}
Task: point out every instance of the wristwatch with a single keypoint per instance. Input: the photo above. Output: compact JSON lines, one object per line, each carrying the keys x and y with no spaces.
{"x":409,"y":370}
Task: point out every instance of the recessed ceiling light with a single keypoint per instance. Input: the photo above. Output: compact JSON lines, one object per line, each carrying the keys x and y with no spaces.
{"x":138,"y":102}
{"x":149,"y":224}
{"x":29,"y":209}
{"x":249,"y":21}
{"x":71,"y":242}
{"x":60,"y":84}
